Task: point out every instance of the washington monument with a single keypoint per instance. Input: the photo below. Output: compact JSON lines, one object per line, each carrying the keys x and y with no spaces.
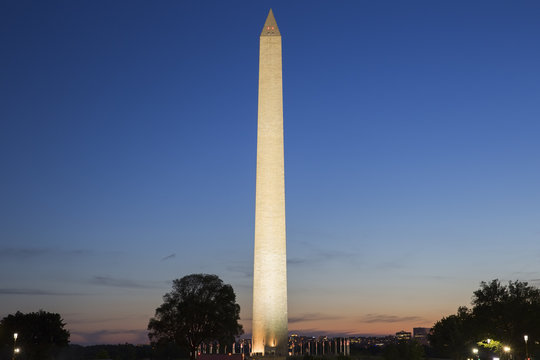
{"x":269,"y":328}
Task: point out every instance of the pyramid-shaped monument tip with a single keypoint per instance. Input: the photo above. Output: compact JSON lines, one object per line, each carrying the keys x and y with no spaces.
{"x":270,"y":26}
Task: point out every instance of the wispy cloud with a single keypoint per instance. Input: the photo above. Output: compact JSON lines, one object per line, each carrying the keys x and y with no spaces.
{"x":522,"y":275}
{"x":168,"y":257}
{"x":385,"y":318}
{"x":319,"y":332}
{"x":76,"y":319}
{"x":296,"y":261}
{"x":242,"y":269}
{"x":391,"y":264}
{"x":8,"y":291}
{"x":316,"y":255}
{"x":312,"y":317}
{"x":137,"y":336}
{"x":121,"y":283}
{"x":80,"y":252}
{"x":23,"y":253}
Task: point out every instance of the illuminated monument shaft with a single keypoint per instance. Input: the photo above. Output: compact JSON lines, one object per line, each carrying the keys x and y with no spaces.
{"x":270,"y":262}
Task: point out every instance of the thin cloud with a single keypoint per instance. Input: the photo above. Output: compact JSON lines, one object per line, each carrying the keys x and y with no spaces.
{"x":22,"y":253}
{"x":318,"y":332}
{"x":429,"y":277}
{"x":80,"y":252}
{"x":168,"y":257}
{"x":243,"y":286}
{"x":120,"y":283}
{"x":244,"y":270}
{"x":33,"y":292}
{"x":296,"y":261}
{"x":98,"y":337}
{"x":395,"y":264}
{"x":312,"y":317}
{"x":76,"y":319}
{"x":384,"y":318}
{"x":318,"y":256}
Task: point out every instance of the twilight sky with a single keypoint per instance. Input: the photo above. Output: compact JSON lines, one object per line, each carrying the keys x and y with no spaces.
{"x":128,"y":150}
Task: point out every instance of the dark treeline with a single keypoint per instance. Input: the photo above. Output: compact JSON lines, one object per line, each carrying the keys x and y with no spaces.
{"x":113,"y":352}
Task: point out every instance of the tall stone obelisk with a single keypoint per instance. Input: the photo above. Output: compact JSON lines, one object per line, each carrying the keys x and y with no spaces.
{"x":269,"y":327}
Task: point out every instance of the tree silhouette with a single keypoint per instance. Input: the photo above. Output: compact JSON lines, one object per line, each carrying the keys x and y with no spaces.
{"x":40,"y":335}
{"x":200,"y":308}
{"x":507,"y":312}
{"x":504,"y":313}
{"x":453,"y":336}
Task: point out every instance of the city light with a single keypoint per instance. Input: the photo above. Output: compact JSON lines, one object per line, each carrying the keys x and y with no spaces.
{"x":16,"y":350}
{"x":526,"y":337}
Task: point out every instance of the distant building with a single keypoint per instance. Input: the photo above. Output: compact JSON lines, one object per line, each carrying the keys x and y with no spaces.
{"x":403,"y":335}
{"x":420,"y":334}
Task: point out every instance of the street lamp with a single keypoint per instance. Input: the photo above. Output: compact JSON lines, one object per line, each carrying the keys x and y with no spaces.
{"x":475,"y":352}
{"x":526,"y":337}
{"x":15,"y":349}
{"x":507,"y":351}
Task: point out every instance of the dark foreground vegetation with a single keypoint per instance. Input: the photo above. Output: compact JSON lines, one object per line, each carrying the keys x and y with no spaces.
{"x":501,"y":316}
{"x":113,"y":352}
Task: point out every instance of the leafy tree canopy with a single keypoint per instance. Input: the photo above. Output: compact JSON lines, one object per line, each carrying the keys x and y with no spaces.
{"x":40,"y":335}
{"x":453,"y":335}
{"x":200,"y":308}
{"x":404,"y":350}
{"x":501,"y":313}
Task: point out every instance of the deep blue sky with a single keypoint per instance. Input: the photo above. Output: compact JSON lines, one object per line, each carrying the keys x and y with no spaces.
{"x":128,"y":147}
